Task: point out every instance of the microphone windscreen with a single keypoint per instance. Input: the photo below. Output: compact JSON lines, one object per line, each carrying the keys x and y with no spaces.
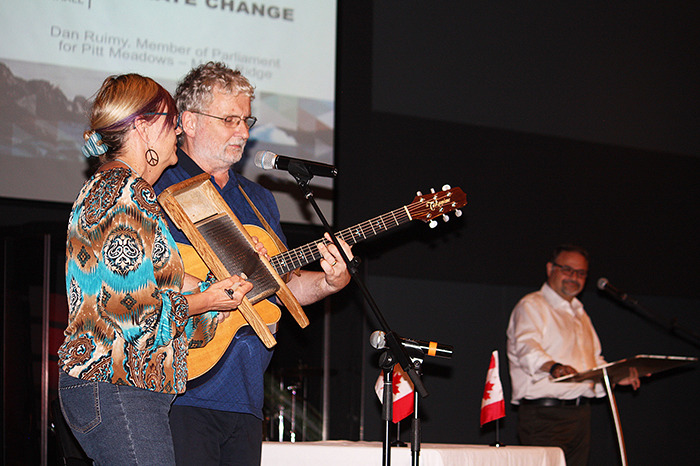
{"x":265,"y":159}
{"x":377,"y":340}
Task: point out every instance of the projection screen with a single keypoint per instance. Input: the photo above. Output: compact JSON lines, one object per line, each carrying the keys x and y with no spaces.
{"x":54,"y":54}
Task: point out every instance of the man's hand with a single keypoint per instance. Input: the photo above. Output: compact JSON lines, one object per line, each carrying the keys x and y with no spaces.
{"x":557,"y":370}
{"x":260,"y":247}
{"x":632,"y":379}
{"x":311,"y":286}
{"x":336,"y":270}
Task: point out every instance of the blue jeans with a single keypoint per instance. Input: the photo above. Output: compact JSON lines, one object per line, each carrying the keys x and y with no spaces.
{"x":117,"y":424}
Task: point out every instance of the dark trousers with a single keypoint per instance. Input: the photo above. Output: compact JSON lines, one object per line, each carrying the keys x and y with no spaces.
{"x":209,"y":437}
{"x":567,"y":427}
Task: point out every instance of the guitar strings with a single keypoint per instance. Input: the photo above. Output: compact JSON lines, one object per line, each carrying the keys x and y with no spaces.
{"x":298,"y":257}
{"x":308,"y":253}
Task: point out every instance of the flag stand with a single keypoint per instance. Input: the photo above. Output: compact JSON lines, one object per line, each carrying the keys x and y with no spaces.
{"x":397,"y":442}
{"x":498,"y":443}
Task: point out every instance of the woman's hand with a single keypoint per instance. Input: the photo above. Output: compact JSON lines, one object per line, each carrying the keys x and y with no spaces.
{"x":224,"y":295}
{"x":228,"y":293}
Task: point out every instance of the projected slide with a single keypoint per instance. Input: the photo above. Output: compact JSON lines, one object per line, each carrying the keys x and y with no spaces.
{"x":54,"y":54}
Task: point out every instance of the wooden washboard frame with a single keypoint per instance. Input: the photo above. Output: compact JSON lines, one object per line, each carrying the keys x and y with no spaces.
{"x":221,"y":240}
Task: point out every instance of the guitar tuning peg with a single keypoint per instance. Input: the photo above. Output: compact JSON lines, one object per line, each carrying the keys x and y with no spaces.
{"x":445,"y":218}
{"x":446,"y":187}
{"x":432,"y":190}
{"x":432,"y":224}
{"x":458,"y":213}
{"x":418,"y":193}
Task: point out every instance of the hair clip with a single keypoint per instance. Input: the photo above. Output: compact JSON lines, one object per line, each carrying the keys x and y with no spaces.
{"x":94,"y":147}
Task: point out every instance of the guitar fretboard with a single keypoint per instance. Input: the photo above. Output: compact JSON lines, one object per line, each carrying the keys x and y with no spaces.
{"x":425,"y":208}
{"x":304,"y":255}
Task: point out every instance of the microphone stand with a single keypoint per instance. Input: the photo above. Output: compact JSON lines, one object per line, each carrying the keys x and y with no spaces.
{"x":671,"y":325}
{"x":386,"y":363}
{"x":415,"y":421}
{"x":302,"y":176}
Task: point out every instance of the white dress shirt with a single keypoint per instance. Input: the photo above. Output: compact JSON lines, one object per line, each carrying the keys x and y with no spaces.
{"x":545,"y":327}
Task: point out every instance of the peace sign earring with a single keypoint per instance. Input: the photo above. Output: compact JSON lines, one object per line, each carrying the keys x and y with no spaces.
{"x":152,"y":157}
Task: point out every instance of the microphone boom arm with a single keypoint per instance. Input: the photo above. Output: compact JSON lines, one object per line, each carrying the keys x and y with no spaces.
{"x":670,"y":325}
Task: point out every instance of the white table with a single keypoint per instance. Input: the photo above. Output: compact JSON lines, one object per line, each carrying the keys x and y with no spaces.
{"x":346,"y":453}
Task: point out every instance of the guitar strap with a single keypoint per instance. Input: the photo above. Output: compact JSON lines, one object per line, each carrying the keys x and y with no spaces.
{"x":278,"y":242}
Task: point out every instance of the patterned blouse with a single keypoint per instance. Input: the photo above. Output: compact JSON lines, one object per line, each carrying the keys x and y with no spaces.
{"x":127,"y":320}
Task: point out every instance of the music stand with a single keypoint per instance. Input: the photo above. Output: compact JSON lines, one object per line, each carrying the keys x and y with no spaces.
{"x":612,"y":372}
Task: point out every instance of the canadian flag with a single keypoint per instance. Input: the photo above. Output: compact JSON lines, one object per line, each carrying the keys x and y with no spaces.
{"x":492,"y":404}
{"x":402,"y":390}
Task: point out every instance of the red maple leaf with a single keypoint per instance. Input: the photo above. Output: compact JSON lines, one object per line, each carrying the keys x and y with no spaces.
{"x":487,"y":390}
{"x":395,"y":381}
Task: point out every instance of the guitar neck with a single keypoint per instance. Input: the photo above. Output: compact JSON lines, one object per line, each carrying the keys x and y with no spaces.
{"x":304,"y":255}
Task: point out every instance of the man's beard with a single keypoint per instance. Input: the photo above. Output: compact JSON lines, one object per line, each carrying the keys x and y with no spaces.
{"x":571,"y":288}
{"x":230,"y":155}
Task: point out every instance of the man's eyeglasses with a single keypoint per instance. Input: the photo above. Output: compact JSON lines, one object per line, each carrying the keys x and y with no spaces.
{"x":568,"y":271}
{"x":232,"y":121}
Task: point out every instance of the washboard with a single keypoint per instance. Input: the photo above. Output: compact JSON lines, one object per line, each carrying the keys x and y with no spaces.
{"x":223,"y":243}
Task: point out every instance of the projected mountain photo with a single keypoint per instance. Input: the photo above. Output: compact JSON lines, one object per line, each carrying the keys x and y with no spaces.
{"x":38,"y":120}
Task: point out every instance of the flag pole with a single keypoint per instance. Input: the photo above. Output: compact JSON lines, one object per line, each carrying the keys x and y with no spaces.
{"x":498,"y":443}
{"x":492,"y":403}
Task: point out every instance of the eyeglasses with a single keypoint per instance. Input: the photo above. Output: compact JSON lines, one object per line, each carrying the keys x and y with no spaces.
{"x":568,"y":271}
{"x":232,"y":121}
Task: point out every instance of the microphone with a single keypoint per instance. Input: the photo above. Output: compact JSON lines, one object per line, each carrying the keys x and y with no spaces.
{"x":269,"y":160}
{"x":430,"y":348}
{"x":604,"y":285}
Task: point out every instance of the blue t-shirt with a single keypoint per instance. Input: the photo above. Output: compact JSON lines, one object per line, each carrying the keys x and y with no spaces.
{"x":236,"y":382}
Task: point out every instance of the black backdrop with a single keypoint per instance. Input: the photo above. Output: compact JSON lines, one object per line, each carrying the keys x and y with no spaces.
{"x":636,"y":210}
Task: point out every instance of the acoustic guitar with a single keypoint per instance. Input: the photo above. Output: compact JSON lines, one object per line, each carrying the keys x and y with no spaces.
{"x":428,"y":208}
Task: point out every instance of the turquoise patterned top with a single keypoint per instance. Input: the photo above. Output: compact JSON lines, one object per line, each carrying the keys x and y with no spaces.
{"x":127,"y":319}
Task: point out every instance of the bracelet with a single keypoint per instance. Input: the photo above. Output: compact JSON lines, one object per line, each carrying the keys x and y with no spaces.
{"x":553,"y":368}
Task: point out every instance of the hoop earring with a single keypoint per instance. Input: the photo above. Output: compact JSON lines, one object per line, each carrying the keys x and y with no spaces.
{"x":151,"y":157}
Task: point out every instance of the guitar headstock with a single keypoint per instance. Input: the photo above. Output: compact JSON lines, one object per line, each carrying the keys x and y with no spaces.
{"x":429,"y":207}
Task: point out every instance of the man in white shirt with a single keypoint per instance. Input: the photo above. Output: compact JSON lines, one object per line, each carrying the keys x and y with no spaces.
{"x":550,"y":336}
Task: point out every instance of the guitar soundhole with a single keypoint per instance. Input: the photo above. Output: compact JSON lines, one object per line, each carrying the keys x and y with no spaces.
{"x":238,"y":256}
